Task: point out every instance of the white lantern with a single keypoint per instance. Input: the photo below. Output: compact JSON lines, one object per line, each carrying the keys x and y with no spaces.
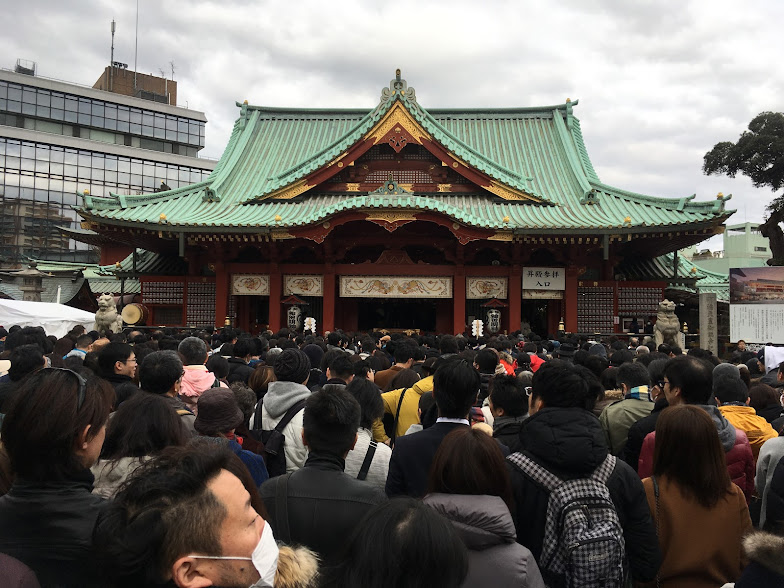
{"x":477,"y":327}
{"x":294,"y":316}
{"x":310,"y":324}
{"x":493,"y":320}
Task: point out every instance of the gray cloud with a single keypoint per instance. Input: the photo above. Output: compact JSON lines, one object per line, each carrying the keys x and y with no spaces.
{"x":659,"y":81}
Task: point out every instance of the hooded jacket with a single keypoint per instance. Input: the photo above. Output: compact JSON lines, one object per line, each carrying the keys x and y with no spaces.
{"x":569,"y":442}
{"x":486,"y":528}
{"x":766,"y":565}
{"x":740,"y":461}
{"x":279,"y":398}
{"x":617,"y":418}
{"x":196,"y":380}
{"x":769,"y":457}
{"x":111,"y":473}
{"x":745,"y":418}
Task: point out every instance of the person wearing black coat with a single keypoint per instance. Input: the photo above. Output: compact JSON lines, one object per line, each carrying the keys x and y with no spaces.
{"x":319,"y":505}
{"x":564,"y":437}
{"x":53,"y":432}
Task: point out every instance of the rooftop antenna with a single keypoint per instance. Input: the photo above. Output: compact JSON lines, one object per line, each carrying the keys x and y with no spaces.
{"x":136,"y":48}
{"x":171,"y":63}
{"x":111,"y":62}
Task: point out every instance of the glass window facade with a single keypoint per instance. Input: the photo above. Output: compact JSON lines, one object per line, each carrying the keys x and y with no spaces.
{"x":38,"y":103}
{"x":38,"y":192}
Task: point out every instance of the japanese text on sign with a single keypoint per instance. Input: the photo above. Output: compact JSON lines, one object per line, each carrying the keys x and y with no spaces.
{"x":544,"y":278}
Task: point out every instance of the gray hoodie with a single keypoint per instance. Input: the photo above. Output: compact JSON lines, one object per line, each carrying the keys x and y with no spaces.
{"x":279,"y":398}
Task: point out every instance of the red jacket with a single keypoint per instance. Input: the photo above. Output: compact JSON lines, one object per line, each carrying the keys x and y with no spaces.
{"x":740,"y":462}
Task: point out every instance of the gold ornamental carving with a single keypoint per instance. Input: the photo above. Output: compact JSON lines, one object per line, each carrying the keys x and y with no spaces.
{"x":390,"y":216}
{"x":291,"y":191}
{"x":352,"y":187}
{"x":444,"y":187}
{"x":398,"y":115}
{"x":281,"y":234}
{"x":509,"y":193}
{"x":507,"y":236}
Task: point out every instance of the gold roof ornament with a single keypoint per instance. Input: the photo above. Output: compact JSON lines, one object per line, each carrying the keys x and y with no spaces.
{"x":117,"y":264}
{"x":627,"y":220}
{"x":86,"y":191}
{"x":245,"y":102}
{"x":162,"y":218}
{"x":506,"y":219}
{"x":568,"y":100}
{"x":719,"y":196}
{"x":693,"y":270}
{"x":278,"y":218}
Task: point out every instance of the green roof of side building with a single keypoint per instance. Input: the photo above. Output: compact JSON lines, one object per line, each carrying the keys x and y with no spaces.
{"x":536,"y":151}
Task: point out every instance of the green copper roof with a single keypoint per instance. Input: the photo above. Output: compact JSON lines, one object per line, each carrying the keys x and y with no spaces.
{"x":536,"y":150}
{"x":690,"y":276}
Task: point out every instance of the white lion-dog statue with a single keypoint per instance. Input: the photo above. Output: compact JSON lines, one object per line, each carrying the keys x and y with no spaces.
{"x":107,"y":319}
{"x":667,"y":326}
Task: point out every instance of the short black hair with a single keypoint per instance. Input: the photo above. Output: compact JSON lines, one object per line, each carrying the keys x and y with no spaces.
{"x":243,"y":347}
{"x":331,"y":420}
{"x":455,"y":387}
{"x":110,"y":354}
{"x":486,"y":360}
{"x":421,"y":549}
{"x":218,"y":365}
{"x":404,"y":350}
{"x":341,"y":367}
{"x":84,"y":341}
{"x":25,"y":359}
{"x":633,"y":375}
{"x":693,"y":376}
{"x":333,"y":338}
{"x":508,"y":392}
{"x":564,"y":385}
{"x":368,"y":396}
{"x":159,"y":371}
{"x":165,"y":511}
{"x":193,"y":351}
{"x":448,"y":344}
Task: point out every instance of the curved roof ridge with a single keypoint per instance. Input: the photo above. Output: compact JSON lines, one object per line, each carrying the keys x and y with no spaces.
{"x":678,"y":203}
{"x":502,"y":174}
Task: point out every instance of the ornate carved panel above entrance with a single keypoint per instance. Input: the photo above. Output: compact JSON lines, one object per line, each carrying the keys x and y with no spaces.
{"x":395,"y":287}
{"x":250,"y":284}
{"x":303,"y":285}
{"x":483,"y":288}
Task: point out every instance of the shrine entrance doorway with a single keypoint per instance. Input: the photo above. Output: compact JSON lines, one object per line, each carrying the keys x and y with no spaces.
{"x":395,"y":313}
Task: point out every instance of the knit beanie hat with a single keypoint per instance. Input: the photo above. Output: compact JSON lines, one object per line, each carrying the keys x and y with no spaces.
{"x":598,"y":349}
{"x":292,"y":365}
{"x":726,"y":369}
{"x":314,"y":353}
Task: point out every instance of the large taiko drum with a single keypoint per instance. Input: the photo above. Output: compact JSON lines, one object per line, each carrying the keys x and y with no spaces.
{"x":135,"y":314}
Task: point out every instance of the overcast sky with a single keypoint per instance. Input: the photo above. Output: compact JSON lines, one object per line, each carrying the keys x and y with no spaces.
{"x":659,"y":81}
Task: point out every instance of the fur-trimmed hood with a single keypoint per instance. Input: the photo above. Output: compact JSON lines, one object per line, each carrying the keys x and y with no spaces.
{"x":297,"y":568}
{"x":766,"y":549}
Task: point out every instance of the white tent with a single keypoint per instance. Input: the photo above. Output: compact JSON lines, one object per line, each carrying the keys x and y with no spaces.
{"x":56,"y":319}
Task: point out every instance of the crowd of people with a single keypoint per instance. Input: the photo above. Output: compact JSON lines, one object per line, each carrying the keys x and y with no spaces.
{"x":290,"y":460}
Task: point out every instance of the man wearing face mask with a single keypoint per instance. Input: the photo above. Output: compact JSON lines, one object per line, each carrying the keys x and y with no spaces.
{"x":187,"y":520}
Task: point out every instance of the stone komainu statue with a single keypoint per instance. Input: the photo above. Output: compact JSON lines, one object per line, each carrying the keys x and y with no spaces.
{"x":107,"y":320}
{"x":667,"y":326}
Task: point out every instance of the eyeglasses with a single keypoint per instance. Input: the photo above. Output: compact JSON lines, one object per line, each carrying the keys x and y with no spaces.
{"x":660,"y":384}
{"x":81,"y":381}
{"x":529,"y":390}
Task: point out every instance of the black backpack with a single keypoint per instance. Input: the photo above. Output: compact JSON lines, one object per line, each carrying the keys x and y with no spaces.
{"x":274,"y":441}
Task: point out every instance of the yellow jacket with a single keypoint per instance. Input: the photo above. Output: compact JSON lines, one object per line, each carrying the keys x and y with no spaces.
{"x":745,"y":418}
{"x":409,"y":409}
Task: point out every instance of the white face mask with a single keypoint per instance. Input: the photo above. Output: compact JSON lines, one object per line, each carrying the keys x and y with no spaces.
{"x":264,"y":558}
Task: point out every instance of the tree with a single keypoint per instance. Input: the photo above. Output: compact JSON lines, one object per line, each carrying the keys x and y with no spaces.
{"x":759,"y":155}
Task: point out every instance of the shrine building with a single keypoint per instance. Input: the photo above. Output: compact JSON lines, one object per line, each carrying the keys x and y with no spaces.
{"x":398,"y":217}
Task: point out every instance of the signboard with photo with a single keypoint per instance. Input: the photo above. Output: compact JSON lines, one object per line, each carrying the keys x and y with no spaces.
{"x":757,"y":304}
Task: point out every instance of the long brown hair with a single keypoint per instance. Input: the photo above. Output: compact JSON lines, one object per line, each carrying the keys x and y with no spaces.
{"x":469,"y":461}
{"x":688,"y":452}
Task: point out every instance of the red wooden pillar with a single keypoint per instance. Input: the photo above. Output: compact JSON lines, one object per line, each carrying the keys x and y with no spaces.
{"x":329,"y":300}
{"x":276,"y":287}
{"x":221,"y":294}
{"x":515,"y":298}
{"x":570,"y":299}
{"x":459,"y":298}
